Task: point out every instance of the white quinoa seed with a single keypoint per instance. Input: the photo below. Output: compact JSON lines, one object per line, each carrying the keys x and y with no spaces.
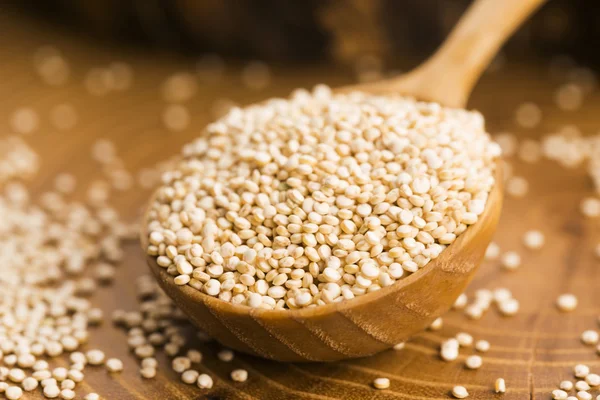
{"x":500,"y":386}
{"x":589,"y":337}
{"x":51,"y":391}
{"x":204,"y":381}
{"x":242,"y":218}
{"x":582,"y":385}
{"x":114,"y":365}
{"x":590,"y":207}
{"x":13,"y":393}
{"x":381,"y":383}
{"x":239,"y":375}
{"x":534,"y":239}
{"x":95,"y":357}
{"x":399,"y":346}
{"x":437,"y":324}
{"x":29,"y":384}
{"x":593,"y":380}
{"x":509,"y":307}
{"x":460,"y":392}
{"x":566,"y":385}
{"x":566,"y":302}
{"x":473,"y":362}
{"x":67,"y":394}
{"x":464,"y":339}
{"x":461,"y":302}
{"x":511,"y":260}
{"x":558,"y":394}
{"x":67,"y":384}
{"x":583,"y":395}
{"x":581,"y":370}
{"x":482,"y":346}
{"x":148,"y":372}
{"x":92,"y":396}
{"x":180,"y":364}
{"x":149,"y":362}
{"x":190,"y":376}
{"x":226,"y":355}
{"x":449,"y":350}
{"x":492,"y":252}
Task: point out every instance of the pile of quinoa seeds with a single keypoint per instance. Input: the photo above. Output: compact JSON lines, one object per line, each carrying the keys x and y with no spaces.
{"x":319,"y":198}
{"x":54,"y":253}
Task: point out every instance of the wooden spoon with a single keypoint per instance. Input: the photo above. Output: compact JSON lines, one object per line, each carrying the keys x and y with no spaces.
{"x":376,"y":321}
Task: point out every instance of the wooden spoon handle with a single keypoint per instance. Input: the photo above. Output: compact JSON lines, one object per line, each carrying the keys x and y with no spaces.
{"x":450,"y":74}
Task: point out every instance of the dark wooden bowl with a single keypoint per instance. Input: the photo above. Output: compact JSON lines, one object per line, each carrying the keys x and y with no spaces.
{"x":354,"y":328}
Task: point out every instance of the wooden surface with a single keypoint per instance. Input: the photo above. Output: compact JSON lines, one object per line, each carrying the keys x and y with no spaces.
{"x":533,"y":351}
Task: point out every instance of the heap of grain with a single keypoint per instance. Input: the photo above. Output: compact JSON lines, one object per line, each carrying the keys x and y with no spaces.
{"x":320,"y":198}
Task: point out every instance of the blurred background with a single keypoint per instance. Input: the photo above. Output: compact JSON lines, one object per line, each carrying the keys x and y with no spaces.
{"x":343,"y":31}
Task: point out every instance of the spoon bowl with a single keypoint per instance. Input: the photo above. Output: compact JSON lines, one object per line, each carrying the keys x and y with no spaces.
{"x":353,"y":328}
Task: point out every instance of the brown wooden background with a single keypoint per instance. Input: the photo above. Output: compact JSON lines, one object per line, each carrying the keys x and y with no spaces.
{"x":533,"y":351}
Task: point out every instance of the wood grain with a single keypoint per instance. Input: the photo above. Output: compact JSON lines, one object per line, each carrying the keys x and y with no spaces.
{"x":533,"y":351}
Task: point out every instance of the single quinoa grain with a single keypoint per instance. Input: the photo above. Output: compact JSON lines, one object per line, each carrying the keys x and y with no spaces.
{"x":500,"y":386}
{"x":13,"y":393}
{"x":460,"y":392}
{"x":381,"y":383}
{"x":114,"y":365}
{"x":239,"y":375}
{"x":204,"y":381}
{"x":566,"y":302}
{"x":473,"y":362}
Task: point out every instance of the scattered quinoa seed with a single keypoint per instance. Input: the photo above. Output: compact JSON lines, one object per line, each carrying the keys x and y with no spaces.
{"x":190,"y":376}
{"x":204,"y":381}
{"x":534,"y":240}
{"x":482,"y":346}
{"x":95,"y":357}
{"x":225,"y":355}
{"x":381,"y":383}
{"x":511,"y":260}
{"x":566,"y":302}
{"x":558,"y":394}
{"x":437,"y":324}
{"x":239,"y":375}
{"x":114,"y":365}
{"x":399,"y":346}
{"x":473,"y":362}
{"x":500,"y":386}
{"x":460,"y":392}
{"x":566,"y":385}
{"x":589,"y":337}
{"x":581,"y":370}
{"x":13,"y":393}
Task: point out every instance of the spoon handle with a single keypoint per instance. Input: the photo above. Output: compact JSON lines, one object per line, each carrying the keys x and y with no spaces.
{"x":450,"y":74}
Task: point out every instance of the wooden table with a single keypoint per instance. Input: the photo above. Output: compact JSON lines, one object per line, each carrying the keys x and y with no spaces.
{"x":533,"y":351}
